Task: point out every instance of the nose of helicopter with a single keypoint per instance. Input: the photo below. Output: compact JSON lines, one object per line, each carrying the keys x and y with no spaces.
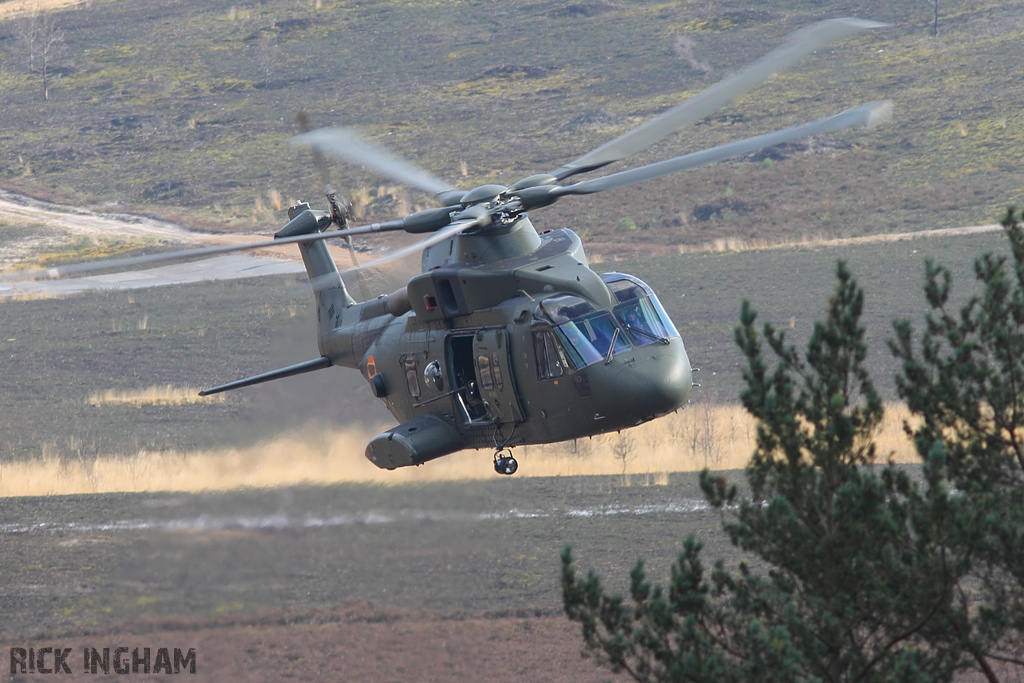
{"x":657,"y":383}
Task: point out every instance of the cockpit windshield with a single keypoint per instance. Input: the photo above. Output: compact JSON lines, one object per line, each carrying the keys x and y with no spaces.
{"x":639,"y":310}
{"x":588,"y":335}
{"x":592,"y":339}
{"x":570,"y":332}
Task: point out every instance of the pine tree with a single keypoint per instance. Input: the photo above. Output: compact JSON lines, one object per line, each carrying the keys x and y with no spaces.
{"x":851,"y":576}
{"x":964,"y":378}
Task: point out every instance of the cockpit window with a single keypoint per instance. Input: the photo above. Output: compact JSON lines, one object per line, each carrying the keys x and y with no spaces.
{"x":626,"y":290}
{"x":584,"y":334}
{"x":570,"y":333}
{"x":588,"y":340}
{"x":560,"y":309}
{"x":644,"y":322}
{"x":639,"y":310}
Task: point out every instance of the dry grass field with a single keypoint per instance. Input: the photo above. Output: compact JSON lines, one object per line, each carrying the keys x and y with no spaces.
{"x":357,"y":642}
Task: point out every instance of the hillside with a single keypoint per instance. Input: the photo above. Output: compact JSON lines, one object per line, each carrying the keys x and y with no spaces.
{"x":183,"y":110}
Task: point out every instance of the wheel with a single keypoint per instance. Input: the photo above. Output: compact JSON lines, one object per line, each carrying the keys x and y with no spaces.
{"x":505,"y":464}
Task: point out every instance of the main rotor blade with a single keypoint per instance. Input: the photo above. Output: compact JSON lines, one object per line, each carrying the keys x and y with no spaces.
{"x":184,"y":254}
{"x":347,"y":144}
{"x":864,"y":115}
{"x":473,"y":217}
{"x":481,"y":218}
{"x":800,"y":44}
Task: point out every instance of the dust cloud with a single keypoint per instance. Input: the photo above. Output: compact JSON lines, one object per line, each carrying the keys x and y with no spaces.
{"x":719,"y":437}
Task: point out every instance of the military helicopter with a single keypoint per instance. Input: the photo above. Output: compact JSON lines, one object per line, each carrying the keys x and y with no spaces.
{"x":507,"y":337}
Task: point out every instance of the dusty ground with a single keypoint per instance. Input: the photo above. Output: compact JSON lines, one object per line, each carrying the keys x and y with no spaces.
{"x":23,"y":209}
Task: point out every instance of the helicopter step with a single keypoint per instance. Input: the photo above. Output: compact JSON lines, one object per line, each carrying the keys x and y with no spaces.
{"x":505,"y":464}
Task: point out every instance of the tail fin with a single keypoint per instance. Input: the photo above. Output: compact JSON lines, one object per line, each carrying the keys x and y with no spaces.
{"x":331,"y":296}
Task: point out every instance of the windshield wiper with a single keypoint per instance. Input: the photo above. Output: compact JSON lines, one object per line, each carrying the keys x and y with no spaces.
{"x":611,"y":347}
{"x":648,"y":333}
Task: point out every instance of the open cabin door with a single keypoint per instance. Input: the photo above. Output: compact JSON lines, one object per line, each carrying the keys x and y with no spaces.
{"x":494,"y":376}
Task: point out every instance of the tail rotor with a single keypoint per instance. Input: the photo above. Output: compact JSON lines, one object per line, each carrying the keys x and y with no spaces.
{"x":341,"y":211}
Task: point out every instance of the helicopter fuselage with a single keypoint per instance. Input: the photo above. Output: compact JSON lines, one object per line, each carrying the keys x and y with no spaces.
{"x":527,"y":346}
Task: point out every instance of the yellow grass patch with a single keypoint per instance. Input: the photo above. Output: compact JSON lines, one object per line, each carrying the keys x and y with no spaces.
{"x":13,"y":8}
{"x":166,"y":395}
{"x":30,"y":296}
{"x":703,"y":435}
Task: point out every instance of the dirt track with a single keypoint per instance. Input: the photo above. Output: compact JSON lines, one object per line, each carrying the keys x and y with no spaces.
{"x":63,"y":223}
{"x":23,"y":209}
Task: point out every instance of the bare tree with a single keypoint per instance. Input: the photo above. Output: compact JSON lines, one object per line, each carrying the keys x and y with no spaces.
{"x":268,"y":52}
{"x":625,"y":450}
{"x":710,"y":439}
{"x":41,"y":45}
{"x":699,"y":432}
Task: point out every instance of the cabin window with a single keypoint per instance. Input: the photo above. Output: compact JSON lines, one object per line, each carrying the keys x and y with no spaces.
{"x":483,"y":365}
{"x":551,"y":360}
{"x":412,"y":376}
{"x":496,"y":369}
